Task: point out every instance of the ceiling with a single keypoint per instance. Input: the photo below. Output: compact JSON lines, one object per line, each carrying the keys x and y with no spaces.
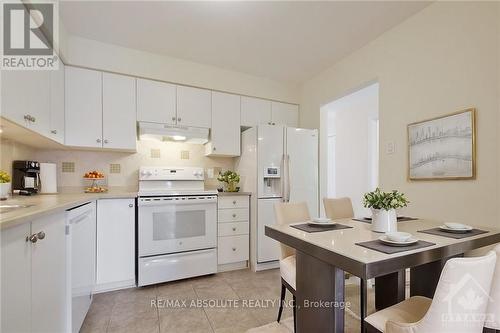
{"x":286,"y":41}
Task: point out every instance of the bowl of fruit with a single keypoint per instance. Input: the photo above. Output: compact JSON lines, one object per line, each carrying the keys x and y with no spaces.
{"x":93,"y":175}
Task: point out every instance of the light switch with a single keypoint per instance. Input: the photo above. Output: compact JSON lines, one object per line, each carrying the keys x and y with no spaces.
{"x":391,"y":148}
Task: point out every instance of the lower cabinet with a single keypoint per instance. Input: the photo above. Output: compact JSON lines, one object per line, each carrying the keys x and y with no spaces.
{"x":115,"y":244}
{"x":33,"y":276}
{"x":233,"y":232}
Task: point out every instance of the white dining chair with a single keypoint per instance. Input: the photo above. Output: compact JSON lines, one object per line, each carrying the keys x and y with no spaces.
{"x":492,"y":323}
{"x":287,"y":213}
{"x":458,"y":306}
{"x":338,"y":208}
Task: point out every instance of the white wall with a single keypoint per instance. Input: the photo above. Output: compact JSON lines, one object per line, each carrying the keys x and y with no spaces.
{"x":350,"y":119}
{"x":443,"y":59}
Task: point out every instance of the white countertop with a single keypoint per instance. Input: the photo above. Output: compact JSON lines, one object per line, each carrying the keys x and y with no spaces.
{"x":45,"y":204}
{"x":344,"y":241}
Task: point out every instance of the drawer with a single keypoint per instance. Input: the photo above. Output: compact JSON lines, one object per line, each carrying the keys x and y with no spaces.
{"x":233,"y":228}
{"x":233,"y":215}
{"x":237,"y":201}
{"x":232,"y":249}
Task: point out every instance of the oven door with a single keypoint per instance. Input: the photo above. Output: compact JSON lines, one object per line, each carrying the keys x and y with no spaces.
{"x":176,"y":224}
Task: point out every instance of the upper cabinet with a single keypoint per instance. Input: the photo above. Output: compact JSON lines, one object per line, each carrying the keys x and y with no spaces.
{"x":255,"y":111}
{"x":225,"y":132}
{"x":118,"y":112}
{"x":100,"y":110}
{"x":83,"y":106}
{"x":194,"y":107}
{"x":26,"y":99}
{"x":156,"y":102}
{"x":285,"y":114}
{"x":56,"y":129}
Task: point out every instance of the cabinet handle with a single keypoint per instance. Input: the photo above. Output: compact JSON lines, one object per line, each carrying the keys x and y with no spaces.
{"x":179,"y":119}
{"x":27,"y":117}
{"x":98,"y":140}
{"x":33,"y":119}
{"x":53,"y":131}
{"x":33,"y":238}
{"x":234,"y":202}
{"x":234,"y":229}
{"x":234,"y":249}
{"x":234,"y":215}
{"x":173,"y":118}
{"x":106,"y":141}
{"x":130,"y":205}
{"x":214,"y":149}
{"x":41,"y":235}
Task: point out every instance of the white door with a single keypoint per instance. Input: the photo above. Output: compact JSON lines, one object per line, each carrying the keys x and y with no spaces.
{"x":56,"y":131}
{"x":15,"y":279}
{"x":255,"y":111}
{"x":225,"y":132}
{"x":285,"y":114}
{"x":48,"y":283}
{"x":118,"y":112}
{"x":156,"y":102}
{"x":267,"y":248}
{"x":83,"y":107}
{"x":115,"y":243}
{"x":302,"y":164}
{"x":270,"y":154}
{"x":194,"y":107}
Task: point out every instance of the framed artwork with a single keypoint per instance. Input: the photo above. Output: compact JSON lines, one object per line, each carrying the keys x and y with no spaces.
{"x":443,"y":147}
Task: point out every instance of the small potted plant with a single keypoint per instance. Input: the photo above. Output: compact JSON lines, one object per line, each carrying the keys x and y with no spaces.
{"x":383,"y":206}
{"x":231,"y":179}
{"x":4,"y":185}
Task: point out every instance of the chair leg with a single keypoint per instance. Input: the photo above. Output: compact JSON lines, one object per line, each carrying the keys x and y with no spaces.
{"x":282,"y":300}
{"x":294,"y":314}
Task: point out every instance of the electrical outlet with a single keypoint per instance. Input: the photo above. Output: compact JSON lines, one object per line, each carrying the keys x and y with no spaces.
{"x":390,"y":148}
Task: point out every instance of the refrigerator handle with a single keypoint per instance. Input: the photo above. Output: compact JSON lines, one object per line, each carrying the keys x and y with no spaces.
{"x":287,"y":178}
{"x":282,"y":180}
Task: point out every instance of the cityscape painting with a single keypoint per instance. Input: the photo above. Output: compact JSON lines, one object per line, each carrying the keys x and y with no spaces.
{"x":442,"y":148}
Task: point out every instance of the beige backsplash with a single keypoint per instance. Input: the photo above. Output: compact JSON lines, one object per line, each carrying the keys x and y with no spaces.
{"x":170,"y":154}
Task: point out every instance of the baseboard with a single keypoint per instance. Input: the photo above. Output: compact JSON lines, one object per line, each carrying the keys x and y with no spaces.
{"x":265,"y":266}
{"x":232,"y":266}
{"x":111,"y":286}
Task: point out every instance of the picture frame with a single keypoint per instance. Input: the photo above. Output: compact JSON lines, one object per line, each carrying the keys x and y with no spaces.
{"x":443,"y":148}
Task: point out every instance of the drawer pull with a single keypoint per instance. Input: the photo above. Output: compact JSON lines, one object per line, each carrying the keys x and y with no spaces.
{"x":234,"y":249}
{"x":234,"y":215}
{"x":234,"y":229}
{"x":234,"y":202}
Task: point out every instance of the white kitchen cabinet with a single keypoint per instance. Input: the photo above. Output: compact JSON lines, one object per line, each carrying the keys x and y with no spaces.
{"x":83,"y":107}
{"x":118,"y":112}
{"x":33,"y":276}
{"x":255,"y":111}
{"x":194,"y":107}
{"x":156,"y":102}
{"x":225,"y":131}
{"x":25,"y":99}
{"x":115,"y":244}
{"x":48,"y":275}
{"x":16,"y":279}
{"x":285,"y":114}
{"x":56,"y":128}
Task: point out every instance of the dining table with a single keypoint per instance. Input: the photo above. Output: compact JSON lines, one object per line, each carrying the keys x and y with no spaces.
{"x":323,"y":258}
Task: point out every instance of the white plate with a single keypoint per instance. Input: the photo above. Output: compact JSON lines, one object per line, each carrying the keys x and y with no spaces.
{"x":323,"y":222}
{"x":457,"y":231}
{"x":321,"y":219}
{"x":387,"y":241}
{"x":398,"y":236}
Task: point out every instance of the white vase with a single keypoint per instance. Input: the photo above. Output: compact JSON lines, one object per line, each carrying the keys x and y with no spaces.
{"x":384,"y":220}
{"x":4,"y":191}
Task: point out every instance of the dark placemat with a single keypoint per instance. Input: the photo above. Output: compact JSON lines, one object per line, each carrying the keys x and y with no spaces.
{"x":318,"y":228}
{"x":388,"y":249}
{"x":439,"y":232}
{"x":400,"y":219}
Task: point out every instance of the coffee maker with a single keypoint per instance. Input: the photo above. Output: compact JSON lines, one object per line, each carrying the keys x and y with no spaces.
{"x":25,"y":177}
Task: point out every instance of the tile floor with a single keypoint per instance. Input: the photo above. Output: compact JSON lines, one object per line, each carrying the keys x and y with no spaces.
{"x":230,"y":302}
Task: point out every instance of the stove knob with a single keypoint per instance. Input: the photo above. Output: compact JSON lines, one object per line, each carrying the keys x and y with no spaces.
{"x":32,"y":164}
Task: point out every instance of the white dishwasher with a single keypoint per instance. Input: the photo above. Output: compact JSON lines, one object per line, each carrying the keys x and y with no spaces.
{"x":81,"y":276}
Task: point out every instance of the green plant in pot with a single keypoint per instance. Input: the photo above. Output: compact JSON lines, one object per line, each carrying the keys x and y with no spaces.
{"x":231,"y":179}
{"x":4,"y":185}
{"x":383,"y":206}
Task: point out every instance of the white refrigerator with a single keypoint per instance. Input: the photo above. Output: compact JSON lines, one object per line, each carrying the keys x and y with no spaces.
{"x":277,"y":164}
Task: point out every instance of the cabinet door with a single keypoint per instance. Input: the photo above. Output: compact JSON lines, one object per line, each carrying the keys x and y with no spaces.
{"x":83,"y":107}
{"x":194,"y":107}
{"x":26,"y":94}
{"x":255,"y":111}
{"x":285,"y":114}
{"x":156,"y":102}
{"x":16,"y":279}
{"x":56,"y":129}
{"x":115,"y":243}
{"x":225,"y":132}
{"x":48,"y":278}
{"x":118,"y":112}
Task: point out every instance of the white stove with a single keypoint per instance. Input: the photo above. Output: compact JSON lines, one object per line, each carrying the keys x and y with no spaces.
{"x":177,"y":225}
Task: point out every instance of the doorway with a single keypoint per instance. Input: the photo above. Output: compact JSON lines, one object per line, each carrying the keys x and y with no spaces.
{"x":349,"y":146}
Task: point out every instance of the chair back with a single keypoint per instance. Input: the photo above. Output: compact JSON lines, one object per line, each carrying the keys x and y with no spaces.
{"x":287,"y":213}
{"x":493,"y":312}
{"x":338,"y":208}
{"x":461,"y":297}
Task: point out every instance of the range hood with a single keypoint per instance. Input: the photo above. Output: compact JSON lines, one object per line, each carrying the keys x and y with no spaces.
{"x":165,"y":132}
